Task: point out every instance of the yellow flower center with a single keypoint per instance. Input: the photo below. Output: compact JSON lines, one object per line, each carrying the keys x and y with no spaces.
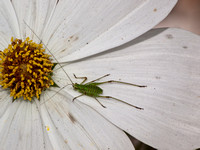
{"x":25,"y":69}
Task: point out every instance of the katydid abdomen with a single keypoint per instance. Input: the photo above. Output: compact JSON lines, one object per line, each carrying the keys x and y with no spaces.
{"x":88,"y":89}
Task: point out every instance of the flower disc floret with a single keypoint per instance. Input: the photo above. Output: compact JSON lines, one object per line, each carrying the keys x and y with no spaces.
{"x":25,"y":69}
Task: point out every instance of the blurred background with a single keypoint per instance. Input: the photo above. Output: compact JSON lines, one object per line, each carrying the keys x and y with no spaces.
{"x":185,"y":15}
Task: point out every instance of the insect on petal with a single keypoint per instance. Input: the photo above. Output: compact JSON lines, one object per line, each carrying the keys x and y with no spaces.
{"x":167,"y":61}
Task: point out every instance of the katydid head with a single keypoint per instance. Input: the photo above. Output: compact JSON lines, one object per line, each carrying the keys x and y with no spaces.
{"x":75,"y":86}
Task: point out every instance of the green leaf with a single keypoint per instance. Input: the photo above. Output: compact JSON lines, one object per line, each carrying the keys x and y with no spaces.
{"x":54,"y":64}
{"x":13,"y":99}
{"x":38,"y":99}
{"x":54,"y":85}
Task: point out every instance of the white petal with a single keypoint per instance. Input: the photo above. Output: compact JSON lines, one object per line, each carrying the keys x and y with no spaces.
{"x":4,"y":41}
{"x":5,"y":101}
{"x":79,"y":126}
{"x":55,"y":137}
{"x":34,"y":14}
{"x":21,"y":127}
{"x":8,"y":21}
{"x":103,"y":24}
{"x":167,"y":61}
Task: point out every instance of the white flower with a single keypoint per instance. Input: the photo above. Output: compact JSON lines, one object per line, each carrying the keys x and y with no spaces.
{"x":166,"y":60}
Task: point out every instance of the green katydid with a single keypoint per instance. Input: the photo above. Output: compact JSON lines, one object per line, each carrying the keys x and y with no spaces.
{"x":91,"y":88}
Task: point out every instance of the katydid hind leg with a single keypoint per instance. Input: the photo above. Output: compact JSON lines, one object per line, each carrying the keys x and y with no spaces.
{"x":114,"y":81}
{"x":84,"y":78}
{"x":110,"y":97}
{"x":99,"y":78}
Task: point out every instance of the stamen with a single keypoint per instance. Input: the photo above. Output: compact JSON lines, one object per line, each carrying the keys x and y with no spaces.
{"x":25,"y":69}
